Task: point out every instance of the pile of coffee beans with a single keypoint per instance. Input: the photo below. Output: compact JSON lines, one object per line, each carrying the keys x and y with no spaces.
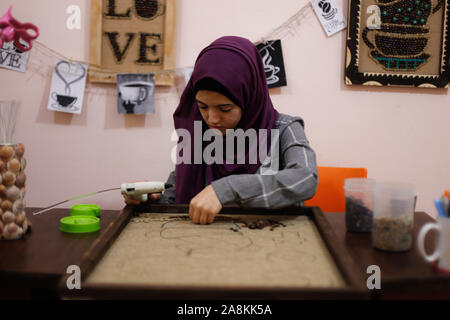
{"x":358,"y":218}
{"x":262,"y":223}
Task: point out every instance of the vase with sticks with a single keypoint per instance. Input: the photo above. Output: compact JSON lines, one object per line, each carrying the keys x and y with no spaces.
{"x":13,"y":221}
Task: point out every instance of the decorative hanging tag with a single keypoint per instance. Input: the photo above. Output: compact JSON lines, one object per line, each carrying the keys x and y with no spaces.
{"x":67,"y":90}
{"x":12,"y":58}
{"x":272,"y":57}
{"x":330,"y":15}
{"x":136,"y":93}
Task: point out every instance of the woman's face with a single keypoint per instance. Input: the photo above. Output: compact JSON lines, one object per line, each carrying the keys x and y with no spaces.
{"x":218,"y":111}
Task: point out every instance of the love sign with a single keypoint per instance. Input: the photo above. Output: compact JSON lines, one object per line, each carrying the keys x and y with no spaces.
{"x":132,"y":36}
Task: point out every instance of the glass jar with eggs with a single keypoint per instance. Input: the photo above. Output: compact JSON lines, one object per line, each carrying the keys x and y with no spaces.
{"x":13,"y":221}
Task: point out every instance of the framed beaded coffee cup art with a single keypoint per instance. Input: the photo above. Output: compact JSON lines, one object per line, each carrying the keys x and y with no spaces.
{"x":132,"y":36}
{"x":398,"y":42}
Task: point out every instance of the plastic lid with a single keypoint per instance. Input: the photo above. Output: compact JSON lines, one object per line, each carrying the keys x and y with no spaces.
{"x":396,"y":189}
{"x":359,"y":183}
{"x":79,"y":224}
{"x":85,"y":210}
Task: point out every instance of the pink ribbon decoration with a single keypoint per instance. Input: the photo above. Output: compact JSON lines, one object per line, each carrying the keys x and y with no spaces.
{"x":11,"y":29}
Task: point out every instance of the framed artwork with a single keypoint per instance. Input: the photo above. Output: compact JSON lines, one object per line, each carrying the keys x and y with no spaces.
{"x":398,"y":43}
{"x":132,"y":36}
{"x":294,"y":250}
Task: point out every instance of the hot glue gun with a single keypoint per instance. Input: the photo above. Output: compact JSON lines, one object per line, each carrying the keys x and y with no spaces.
{"x":140,"y":190}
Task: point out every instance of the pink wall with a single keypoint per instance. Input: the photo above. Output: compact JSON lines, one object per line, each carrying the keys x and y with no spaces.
{"x":397,"y":133}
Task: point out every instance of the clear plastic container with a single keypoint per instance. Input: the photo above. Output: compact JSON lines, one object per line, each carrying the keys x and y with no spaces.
{"x":393,"y":216}
{"x":359,"y":204}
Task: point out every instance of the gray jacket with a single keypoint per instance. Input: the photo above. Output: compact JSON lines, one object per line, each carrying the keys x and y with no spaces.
{"x":290,"y":183}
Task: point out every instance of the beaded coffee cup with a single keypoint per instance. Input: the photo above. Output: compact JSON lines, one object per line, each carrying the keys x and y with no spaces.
{"x":13,"y":221}
{"x":402,"y":37}
{"x":407,"y":12}
{"x":397,"y":44}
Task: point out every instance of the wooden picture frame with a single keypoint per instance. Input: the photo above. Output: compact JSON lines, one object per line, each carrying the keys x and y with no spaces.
{"x":106,"y":46}
{"x":350,"y":271}
{"x":398,"y":43}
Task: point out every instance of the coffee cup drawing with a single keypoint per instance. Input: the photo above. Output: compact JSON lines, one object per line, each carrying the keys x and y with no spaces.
{"x":269,"y":69}
{"x":134,"y":92}
{"x":64,"y":101}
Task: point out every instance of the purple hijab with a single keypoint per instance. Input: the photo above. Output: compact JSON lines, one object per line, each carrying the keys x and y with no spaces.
{"x":235,"y":63}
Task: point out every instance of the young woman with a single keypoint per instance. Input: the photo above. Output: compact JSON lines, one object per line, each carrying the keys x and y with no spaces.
{"x":228,"y":90}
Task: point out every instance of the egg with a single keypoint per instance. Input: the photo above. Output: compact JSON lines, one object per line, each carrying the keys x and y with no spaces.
{"x":20,"y":218}
{"x":6,"y":152}
{"x":8,"y":217}
{"x":20,"y":179}
{"x":23,"y":163}
{"x":18,"y":206}
{"x":12,"y":231}
{"x":11,"y":227}
{"x":2,"y":191}
{"x":6,"y":205}
{"x":25,"y":226}
{"x":9,"y":178}
{"x":20,"y":150}
{"x":14,"y":165}
{"x":1,"y":226}
{"x":2,"y":165}
{"x":12,"y":193}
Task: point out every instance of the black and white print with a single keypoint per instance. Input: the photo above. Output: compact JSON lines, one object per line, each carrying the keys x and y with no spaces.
{"x":12,"y":58}
{"x":67,"y":89}
{"x":330,"y":15}
{"x":273,"y":62}
{"x":136,"y":93}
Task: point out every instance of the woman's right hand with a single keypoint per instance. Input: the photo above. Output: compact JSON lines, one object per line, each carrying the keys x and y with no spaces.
{"x":151,"y":197}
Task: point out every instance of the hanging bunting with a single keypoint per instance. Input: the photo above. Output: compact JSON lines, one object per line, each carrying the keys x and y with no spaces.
{"x":272,"y":57}
{"x":136,"y":93}
{"x":67,"y":90}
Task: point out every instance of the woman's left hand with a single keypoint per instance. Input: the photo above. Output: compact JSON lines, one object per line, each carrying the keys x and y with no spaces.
{"x":204,"y":206}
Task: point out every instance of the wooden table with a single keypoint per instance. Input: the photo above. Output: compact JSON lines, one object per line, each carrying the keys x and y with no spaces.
{"x":403,"y":275}
{"x":34,"y":265}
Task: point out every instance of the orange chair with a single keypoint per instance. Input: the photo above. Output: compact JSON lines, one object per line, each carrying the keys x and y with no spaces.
{"x":330,"y":195}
